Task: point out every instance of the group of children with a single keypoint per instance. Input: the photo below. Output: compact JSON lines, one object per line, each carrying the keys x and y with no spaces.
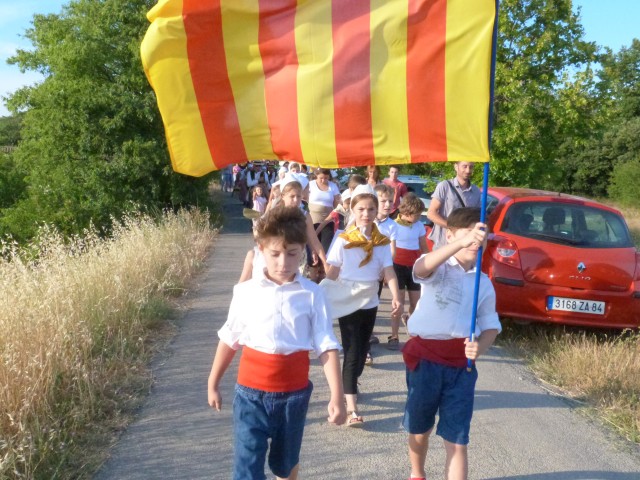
{"x":289,"y":316}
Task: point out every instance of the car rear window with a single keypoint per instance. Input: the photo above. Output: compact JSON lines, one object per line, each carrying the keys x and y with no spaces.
{"x":567,"y":223}
{"x":418,"y":189}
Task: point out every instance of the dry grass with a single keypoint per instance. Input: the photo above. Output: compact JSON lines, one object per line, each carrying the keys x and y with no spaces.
{"x":631,"y":215}
{"x":75,"y":320}
{"x":601,"y":370}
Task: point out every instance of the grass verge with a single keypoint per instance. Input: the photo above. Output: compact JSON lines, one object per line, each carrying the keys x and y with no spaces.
{"x":601,"y":370}
{"x":76,"y":318}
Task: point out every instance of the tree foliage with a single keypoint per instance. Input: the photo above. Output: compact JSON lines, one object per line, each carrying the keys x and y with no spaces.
{"x":92,"y":139}
{"x":613,"y":136}
{"x":539,"y":42}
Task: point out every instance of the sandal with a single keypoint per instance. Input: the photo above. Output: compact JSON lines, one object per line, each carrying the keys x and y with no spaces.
{"x":393,"y":343}
{"x":355,"y":420}
{"x":368,"y":361}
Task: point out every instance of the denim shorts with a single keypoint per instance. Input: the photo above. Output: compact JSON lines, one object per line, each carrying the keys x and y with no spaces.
{"x":259,"y":416}
{"x":448,"y":391}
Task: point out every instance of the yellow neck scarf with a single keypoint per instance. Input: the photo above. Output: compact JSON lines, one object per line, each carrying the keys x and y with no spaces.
{"x":357,"y":239}
{"x":402,"y":222}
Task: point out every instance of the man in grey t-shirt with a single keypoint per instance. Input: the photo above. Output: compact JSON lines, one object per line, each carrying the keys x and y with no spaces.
{"x":449,"y":195}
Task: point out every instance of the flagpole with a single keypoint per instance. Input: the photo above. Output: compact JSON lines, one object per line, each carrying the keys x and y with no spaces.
{"x":476,"y":288}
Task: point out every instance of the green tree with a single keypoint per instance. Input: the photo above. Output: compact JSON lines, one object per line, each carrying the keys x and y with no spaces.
{"x":92,"y":139}
{"x":539,"y":44}
{"x":613,"y":137}
{"x":10,"y":130}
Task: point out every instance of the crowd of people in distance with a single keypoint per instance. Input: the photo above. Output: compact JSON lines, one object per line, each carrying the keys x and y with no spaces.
{"x":323,"y":255}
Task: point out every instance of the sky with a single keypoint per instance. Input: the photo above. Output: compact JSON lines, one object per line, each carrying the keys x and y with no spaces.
{"x":611,"y":23}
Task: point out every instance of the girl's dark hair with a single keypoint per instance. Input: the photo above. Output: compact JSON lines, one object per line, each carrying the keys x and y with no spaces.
{"x":465,"y":217}
{"x":287,"y":223}
{"x":323,"y":171}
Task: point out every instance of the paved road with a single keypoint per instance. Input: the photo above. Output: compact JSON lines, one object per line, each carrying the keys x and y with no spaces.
{"x":519,"y":430}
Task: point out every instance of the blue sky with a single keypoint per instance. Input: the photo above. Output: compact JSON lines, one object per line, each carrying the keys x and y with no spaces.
{"x":611,"y":23}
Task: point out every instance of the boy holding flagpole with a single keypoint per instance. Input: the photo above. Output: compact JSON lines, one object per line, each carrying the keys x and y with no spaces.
{"x":436,"y":356}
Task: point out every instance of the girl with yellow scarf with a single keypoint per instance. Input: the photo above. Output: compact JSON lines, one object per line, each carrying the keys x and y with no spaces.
{"x":357,"y":259}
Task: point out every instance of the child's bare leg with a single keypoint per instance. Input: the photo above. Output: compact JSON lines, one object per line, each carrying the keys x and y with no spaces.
{"x":418,"y":446}
{"x":456,"y":466}
{"x":293,"y":475}
{"x":395,"y":325}
{"x":395,"y":319}
{"x":352,"y":402}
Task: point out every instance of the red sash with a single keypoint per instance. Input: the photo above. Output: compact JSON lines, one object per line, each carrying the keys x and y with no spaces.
{"x":444,"y":352}
{"x":273,"y":372}
{"x":406,"y":257}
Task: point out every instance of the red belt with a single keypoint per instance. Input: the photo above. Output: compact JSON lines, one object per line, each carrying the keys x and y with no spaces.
{"x":273,"y":372}
{"x":406,"y":257}
{"x":444,"y":352}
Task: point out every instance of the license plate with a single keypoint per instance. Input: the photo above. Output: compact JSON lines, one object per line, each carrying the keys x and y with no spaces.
{"x":574,"y":305}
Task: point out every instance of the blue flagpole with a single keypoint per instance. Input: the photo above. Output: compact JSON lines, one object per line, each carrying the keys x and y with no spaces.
{"x":485,"y":187}
{"x":476,"y":288}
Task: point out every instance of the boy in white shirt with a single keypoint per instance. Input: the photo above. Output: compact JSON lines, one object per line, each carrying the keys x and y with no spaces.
{"x":277,"y":318}
{"x":437,"y":353}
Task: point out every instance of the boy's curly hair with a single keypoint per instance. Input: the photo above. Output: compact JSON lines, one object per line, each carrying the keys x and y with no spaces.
{"x":411,"y":204}
{"x":288,"y":223}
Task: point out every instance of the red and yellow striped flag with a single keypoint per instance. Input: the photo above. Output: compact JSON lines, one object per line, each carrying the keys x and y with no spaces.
{"x":332,"y":83}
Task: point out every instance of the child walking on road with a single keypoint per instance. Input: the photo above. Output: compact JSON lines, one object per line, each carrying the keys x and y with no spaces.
{"x":437,"y":353}
{"x":358,"y":256}
{"x":277,"y":319}
{"x":410,"y":242}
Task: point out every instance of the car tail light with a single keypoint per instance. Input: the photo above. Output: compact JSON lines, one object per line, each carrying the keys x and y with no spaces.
{"x":506,"y":252}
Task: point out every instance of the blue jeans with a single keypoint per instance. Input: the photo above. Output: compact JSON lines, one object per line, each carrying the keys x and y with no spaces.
{"x":259,"y":416}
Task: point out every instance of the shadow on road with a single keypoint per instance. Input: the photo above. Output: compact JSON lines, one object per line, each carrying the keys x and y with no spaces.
{"x":573,"y":475}
{"x":234,"y":222}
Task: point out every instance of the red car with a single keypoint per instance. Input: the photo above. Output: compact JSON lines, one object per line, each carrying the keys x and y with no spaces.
{"x":561,"y":259}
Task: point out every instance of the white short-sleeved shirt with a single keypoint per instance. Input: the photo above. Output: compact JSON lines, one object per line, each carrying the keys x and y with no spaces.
{"x":321,"y":197}
{"x":446,"y":300}
{"x":259,"y":263}
{"x":348,"y":260}
{"x":409,"y":237}
{"x":280,"y":319}
{"x":388,"y":227}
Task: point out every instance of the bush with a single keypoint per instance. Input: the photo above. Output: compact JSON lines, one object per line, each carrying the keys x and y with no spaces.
{"x":624,"y":182}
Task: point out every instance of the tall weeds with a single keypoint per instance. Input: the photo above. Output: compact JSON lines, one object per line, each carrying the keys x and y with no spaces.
{"x":600,"y":370}
{"x":74,"y":317}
